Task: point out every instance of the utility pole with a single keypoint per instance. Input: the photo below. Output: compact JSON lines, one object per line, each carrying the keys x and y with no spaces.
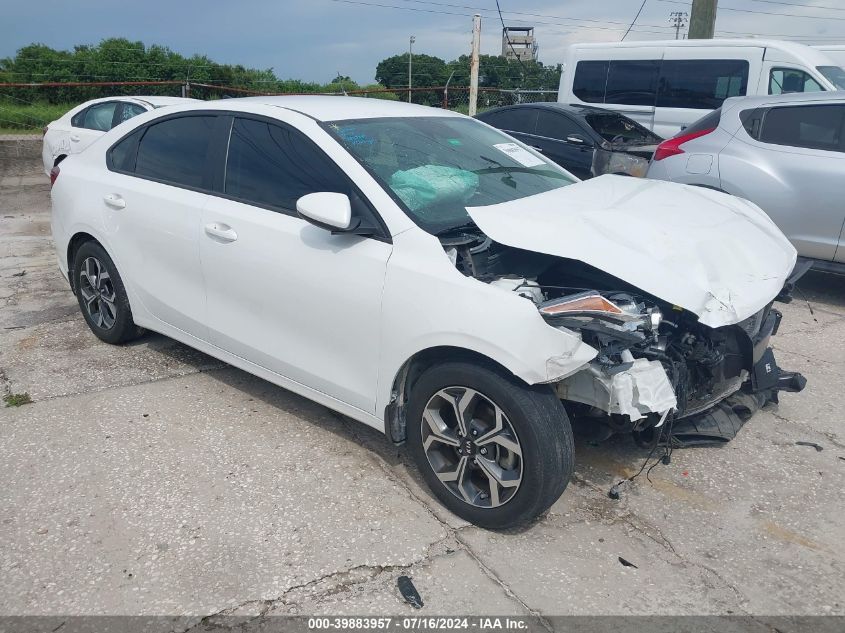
{"x":410,"y":59}
{"x":473,"y":64}
{"x":702,"y":22}
{"x":678,"y":20}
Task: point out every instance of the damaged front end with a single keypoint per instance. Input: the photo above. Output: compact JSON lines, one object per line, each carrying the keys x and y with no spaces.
{"x":658,"y":367}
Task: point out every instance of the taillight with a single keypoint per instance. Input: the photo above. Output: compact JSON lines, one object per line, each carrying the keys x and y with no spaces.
{"x":54,"y":173}
{"x":672,"y":146}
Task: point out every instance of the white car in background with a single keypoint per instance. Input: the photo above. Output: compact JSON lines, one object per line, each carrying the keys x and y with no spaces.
{"x":87,"y":122}
{"x":424,"y":273}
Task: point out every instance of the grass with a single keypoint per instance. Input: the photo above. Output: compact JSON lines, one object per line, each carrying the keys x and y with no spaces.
{"x":17,"y":399}
{"x":21,"y":118}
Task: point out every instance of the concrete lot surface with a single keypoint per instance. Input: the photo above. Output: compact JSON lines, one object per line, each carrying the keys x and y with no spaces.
{"x":152,"y":479}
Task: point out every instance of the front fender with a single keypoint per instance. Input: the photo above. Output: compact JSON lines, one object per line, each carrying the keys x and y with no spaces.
{"x":427,"y":303}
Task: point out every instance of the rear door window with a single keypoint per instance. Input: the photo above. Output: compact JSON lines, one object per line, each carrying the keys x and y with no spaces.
{"x":786,"y":80}
{"x":701,"y":84}
{"x":590,"y":81}
{"x":98,"y":117}
{"x":128,"y":111}
{"x":174,"y":151}
{"x":557,"y":125}
{"x":521,"y":120}
{"x":632,"y":82}
{"x":273,"y":166}
{"x":813,"y":127}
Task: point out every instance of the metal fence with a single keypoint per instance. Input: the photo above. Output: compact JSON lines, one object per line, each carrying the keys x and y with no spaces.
{"x":31,"y":106}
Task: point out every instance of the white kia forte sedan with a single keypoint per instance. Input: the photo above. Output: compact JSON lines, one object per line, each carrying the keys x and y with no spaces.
{"x":432,"y":277}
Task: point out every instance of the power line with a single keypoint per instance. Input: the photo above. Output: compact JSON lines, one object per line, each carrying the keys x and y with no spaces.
{"x":757,"y":12}
{"x":634,"y":21}
{"x":534,"y":15}
{"x":507,"y":37}
{"x":796,"y":4}
{"x":469,"y":15}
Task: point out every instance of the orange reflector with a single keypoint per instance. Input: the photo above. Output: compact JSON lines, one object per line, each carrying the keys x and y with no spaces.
{"x":589,"y":303}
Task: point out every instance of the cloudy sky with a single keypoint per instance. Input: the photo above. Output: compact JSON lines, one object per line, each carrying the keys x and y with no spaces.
{"x":316,"y":39}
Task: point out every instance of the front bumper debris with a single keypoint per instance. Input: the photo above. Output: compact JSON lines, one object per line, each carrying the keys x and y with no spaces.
{"x":721,"y":423}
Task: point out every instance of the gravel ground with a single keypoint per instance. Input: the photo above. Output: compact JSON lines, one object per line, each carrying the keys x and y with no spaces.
{"x":154,"y":480}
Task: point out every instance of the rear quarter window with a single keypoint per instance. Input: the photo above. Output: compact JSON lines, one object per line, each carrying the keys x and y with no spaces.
{"x":810,"y":126}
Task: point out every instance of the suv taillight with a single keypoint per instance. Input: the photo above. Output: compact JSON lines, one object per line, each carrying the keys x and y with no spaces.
{"x":672,"y":146}
{"x":54,"y":173}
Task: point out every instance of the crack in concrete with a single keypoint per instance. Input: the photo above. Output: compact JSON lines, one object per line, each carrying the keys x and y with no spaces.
{"x":450,"y":531}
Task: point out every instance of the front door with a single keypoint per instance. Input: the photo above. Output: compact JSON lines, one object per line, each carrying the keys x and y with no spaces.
{"x":564,"y":141}
{"x":282,"y":293}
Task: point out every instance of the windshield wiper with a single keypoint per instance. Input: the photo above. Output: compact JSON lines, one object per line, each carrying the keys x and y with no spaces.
{"x":466,"y":226}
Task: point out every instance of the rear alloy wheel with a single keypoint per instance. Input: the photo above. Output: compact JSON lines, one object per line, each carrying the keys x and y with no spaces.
{"x":97,"y":293}
{"x":102,"y":296}
{"x":495,"y":451}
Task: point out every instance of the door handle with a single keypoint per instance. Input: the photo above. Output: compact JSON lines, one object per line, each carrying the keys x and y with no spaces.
{"x":74,"y":138}
{"x":114,"y":201}
{"x":222,"y":232}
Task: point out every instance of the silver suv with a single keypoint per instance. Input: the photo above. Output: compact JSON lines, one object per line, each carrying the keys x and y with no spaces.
{"x":785,"y":153}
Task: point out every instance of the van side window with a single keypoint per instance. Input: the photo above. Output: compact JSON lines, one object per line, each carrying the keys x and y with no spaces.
{"x":701,"y":84}
{"x":813,"y":127}
{"x":784,"y":80}
{"x":590,"y":81}
{"x":632,"y":82}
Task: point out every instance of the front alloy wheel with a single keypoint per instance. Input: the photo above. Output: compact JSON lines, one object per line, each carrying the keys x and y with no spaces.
{"x":493,"y":449}
{"x":472,"y":447}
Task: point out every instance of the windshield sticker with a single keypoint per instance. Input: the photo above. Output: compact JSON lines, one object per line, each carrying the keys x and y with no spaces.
{"x":520,"y":155}
{"x":454,"y":141}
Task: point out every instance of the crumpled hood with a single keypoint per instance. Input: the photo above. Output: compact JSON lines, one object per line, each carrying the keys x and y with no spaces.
{"x":718,"y":256}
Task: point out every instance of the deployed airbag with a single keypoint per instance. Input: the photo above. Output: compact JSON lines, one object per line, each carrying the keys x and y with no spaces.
{"x":423,"y":186}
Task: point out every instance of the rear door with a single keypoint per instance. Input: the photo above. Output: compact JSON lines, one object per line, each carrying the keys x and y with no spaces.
{"x":564,"y":141}
{"x":518,"y":121}
{"x":695,"y":81}
{"x":152,"y":205}
{"x":798,"y":162}
{"x":91,"y":124}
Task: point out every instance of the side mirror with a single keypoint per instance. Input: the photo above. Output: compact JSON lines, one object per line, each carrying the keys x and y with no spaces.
{"x":575,"y":139}
{"x":330,"y":211}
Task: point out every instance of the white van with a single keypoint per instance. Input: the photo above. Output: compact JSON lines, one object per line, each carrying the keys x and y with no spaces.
{"x":666,"y":85}
{"x":835,"y":51}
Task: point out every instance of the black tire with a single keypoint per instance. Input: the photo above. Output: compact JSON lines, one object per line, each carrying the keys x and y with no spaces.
{"x":539,"y":422}
{"x":116,"y":326}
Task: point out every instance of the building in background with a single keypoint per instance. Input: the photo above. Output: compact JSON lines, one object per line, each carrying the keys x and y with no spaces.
{"x":518,"y":43}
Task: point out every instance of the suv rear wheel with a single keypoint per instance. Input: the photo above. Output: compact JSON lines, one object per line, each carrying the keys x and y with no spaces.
{"x":493,"y":450}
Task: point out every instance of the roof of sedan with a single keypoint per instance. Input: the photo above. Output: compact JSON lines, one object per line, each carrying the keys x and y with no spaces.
{"x":337,"y":108}
{"x":572,"y":108}
{"x":792,"y":97}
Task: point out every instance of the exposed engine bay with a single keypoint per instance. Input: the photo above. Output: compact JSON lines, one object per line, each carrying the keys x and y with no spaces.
{"x":656,"y":362}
